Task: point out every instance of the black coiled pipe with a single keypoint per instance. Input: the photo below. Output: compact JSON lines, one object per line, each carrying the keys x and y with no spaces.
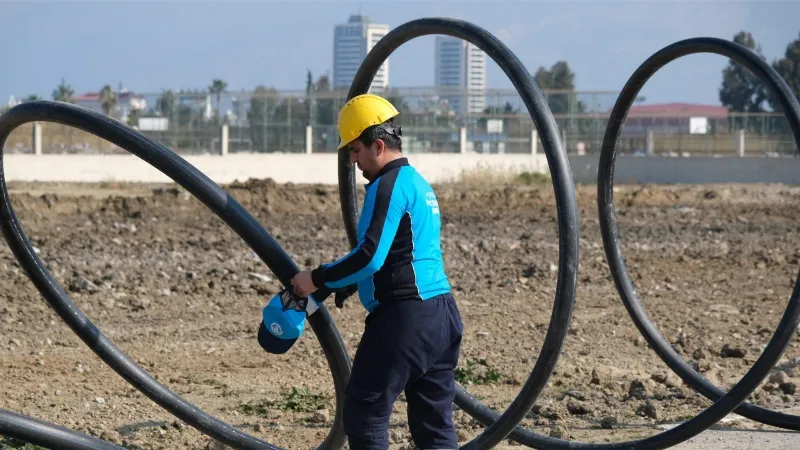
{"x":724,"y":402}
{"x":566,"y":204}
{"x":216,"y":199}
{"x":39,"y":432}
{"x":608,"y":223}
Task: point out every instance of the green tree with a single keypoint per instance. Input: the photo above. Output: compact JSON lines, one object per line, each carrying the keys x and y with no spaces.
{"x":217,"y":88}
{"x":186,"y":122}
{"x":395,"y":98}
{"x":326,"y":107}
{"x":511,"y":119}
{"x":310,"y":100}
{"x":788,"y":67}
{"x":320,"y":107}
{"x":559,"y":78}
{"x":543,"y":78}
{"x":558,"y":85}
{"x":742,"y":91}
{"x":493,"y":111}
{"x":64,"y":93}
{"x":291,"y":116}
{"x":189,"y":116}
{"x":31,"y":98}
{"x":309,"y":83}
{"x":262,"y":102}
{"x":133,"y":117}
{"x":166,"y":103}
{"x":108,"y":100}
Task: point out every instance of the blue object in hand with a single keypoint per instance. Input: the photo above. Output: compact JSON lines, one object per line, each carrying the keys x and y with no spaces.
{"x":282,"y":322}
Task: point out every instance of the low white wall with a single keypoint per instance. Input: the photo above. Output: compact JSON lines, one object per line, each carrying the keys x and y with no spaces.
{"x":296,"y":168}
{"x":321,"y":168}
{"x":693,"y":170}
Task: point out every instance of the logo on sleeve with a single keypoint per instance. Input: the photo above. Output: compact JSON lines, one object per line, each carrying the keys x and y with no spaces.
{"x":430,"y":200}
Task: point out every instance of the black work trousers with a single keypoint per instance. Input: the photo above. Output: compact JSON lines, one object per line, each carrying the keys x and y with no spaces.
{"x":411,"y":347}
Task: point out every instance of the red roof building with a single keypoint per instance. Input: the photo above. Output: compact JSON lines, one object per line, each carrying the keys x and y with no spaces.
{"x":672,"y":117}
{"x":127,"y":101}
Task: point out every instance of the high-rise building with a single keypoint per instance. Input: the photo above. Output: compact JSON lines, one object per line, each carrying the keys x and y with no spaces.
{"x":351,"y":43}
{"x":460,"y":74}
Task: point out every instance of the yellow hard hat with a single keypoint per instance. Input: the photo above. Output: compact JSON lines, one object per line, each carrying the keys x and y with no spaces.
{"x":360,"y":113}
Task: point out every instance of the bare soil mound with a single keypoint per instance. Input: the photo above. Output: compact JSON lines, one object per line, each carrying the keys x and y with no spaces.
{"x":177,"y":290}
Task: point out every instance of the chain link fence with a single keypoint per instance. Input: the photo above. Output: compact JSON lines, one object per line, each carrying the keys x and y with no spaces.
{"x":434,"y":120}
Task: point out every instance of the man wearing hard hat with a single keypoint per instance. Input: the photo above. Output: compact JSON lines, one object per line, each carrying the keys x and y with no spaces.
{"x":412,"y":337}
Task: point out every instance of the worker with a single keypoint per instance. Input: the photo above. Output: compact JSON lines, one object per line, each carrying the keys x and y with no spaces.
{"x":413,"y":329}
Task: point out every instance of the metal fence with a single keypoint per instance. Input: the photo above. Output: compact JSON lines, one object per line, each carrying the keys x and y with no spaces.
{"x":433,"y":120}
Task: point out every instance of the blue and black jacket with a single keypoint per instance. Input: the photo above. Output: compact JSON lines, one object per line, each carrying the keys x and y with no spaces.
{"x":398,"y":256}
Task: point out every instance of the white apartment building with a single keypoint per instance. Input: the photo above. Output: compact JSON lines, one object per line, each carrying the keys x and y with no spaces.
{"x":460,"y":74}
{"x":351,"y":43}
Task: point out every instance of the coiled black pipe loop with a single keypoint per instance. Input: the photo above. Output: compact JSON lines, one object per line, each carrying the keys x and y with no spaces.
{"x":566,"y":204}
{"x":216,"y":199}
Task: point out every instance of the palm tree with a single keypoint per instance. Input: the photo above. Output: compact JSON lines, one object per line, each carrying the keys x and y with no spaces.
{"x":108,"y":99}
{"x":217,"y":88}
{"x":64,"y":93}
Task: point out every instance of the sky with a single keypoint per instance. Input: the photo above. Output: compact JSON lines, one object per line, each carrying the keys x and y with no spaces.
{"x":149,"y":46}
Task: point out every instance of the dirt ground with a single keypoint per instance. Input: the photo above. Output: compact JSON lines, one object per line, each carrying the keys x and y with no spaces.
{"x":178,"y":291}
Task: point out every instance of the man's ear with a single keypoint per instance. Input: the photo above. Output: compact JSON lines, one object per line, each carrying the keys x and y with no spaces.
{"x":380,"y":147}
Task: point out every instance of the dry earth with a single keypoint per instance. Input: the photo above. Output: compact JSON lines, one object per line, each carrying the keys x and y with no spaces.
{"x":178,"y":291}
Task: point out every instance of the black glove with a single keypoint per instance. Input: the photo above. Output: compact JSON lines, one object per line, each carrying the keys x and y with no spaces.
{"x":340,"y":295}
{"x":318,"y":277}
{"x":344,"y":294}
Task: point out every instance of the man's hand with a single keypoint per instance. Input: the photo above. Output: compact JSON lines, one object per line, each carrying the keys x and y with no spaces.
{"x":302,"y":284}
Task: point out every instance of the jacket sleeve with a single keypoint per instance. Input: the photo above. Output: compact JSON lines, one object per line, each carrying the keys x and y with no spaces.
{"x":385,"y":204}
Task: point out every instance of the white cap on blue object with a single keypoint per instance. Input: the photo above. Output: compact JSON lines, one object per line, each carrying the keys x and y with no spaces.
{"x":280,"y":327}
